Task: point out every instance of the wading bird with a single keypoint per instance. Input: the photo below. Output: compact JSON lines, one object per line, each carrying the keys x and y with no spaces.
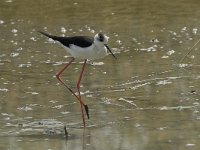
{"x":81,"y":47}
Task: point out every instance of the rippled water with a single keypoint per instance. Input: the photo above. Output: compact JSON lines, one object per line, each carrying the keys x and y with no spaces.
{"x":146,"y":99}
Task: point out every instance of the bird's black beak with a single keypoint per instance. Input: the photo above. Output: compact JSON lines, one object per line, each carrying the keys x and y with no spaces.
{"x":110,"y":51}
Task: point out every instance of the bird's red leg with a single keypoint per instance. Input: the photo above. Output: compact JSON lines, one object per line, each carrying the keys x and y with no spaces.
{"x":61,"y":71}
{"x":78,"y":88}
{"x":78,"y":97}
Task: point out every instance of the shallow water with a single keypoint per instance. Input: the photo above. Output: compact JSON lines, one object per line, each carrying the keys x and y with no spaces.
{"x":146,"y":99}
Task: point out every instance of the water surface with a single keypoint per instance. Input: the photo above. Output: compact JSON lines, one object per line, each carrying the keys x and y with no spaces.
{"x":146,"y":99}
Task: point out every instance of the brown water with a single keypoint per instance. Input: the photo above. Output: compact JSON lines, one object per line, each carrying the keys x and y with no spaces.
{"x":146,"y":99}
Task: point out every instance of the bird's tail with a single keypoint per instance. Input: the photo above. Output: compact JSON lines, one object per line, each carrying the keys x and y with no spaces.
{"x":47,"y":35}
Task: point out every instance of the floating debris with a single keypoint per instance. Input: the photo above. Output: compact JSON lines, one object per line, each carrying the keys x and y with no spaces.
{"x":65,"y":112}
{"x":9,"y":1}
{"x":163,"y":82}
{"x":25,"y":108}
{"x":190,"y":144}
{"x":170,"y":52}
{"x":58,"y":106}
{"x":92,"y":31}
{"x":33,"y":39}
{"x":24,"y":65}
{"x":175,"y":108}
{"x":193,"y":91}
{"x":56,"y":63}
{"x":14,"y":31}
{"x":183,"y":65}
{"x":140,"y":85}
{"x":53,"y":101}
{"x":150,"y":49}
{"x":154,"y":40}
{"x":97,"y":63}
{"x":63,"y":30}
{"x":14,"y":54}
{"x":127,"y":101}
{"x":5,"y":114}
{"x":184,"y":29}
{"x":165,"y":56}
{"x":194,"y":31}
{"x":19,"y":49}
{"x":1,"y":22}
{"x":119,"y":42}
{"x":134,"y":40}
{"x":3,"y":90}
{"x":33,"y":93}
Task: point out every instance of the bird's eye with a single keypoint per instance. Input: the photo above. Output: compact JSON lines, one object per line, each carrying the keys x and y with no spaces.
{"x":101,"y":37}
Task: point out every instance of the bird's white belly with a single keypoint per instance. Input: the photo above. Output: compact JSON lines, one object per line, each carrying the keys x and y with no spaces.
{"x":91,"y":52}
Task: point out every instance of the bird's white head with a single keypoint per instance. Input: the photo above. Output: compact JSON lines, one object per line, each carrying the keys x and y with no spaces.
{"x":101,"y":38}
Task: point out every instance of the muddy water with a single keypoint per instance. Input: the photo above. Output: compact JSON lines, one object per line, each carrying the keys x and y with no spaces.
{"x":146,"y":99}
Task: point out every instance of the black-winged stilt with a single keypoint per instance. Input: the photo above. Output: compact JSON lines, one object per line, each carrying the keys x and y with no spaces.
{"x":82,"y":47}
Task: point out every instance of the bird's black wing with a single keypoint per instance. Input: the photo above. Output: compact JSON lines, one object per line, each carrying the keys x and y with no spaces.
{"x":81,"y":41}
